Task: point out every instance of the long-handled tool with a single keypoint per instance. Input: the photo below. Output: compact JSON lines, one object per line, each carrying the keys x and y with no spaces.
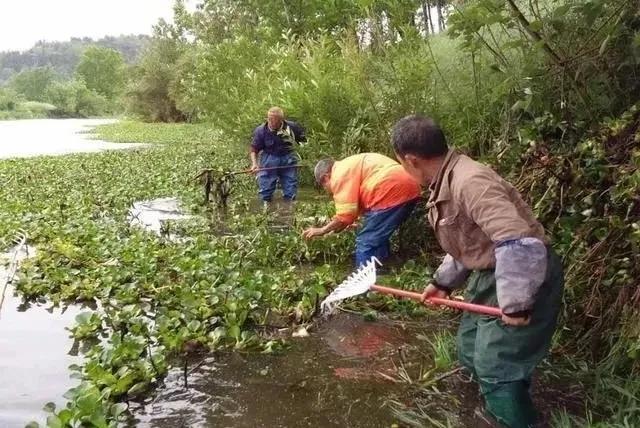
{"x":19,"y":244}
{"x":247,"y":171}
{"x":244,"y":171}
{"x":364,"y":279}
{"x":218,"y":182}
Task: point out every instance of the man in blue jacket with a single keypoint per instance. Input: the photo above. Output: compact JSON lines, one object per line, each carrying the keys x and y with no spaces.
{"x":274,"y":141}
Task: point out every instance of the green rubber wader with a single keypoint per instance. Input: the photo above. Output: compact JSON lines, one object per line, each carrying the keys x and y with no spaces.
{"x":501,"y":357}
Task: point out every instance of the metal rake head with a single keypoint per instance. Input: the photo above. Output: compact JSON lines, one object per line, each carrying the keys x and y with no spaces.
{"x":20,"y":238}
{"x":357,"y":283}
{"x":19,"y":242}
{"x":15,"y":243}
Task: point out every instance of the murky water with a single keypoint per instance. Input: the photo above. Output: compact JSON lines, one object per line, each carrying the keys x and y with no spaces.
{"x":34,"y":359}
{"x":26,"y":138}
{"x":34,"y":356}
{"x":35,"y":348}
{"x":337,"y":376}
{"x":152,"y":215}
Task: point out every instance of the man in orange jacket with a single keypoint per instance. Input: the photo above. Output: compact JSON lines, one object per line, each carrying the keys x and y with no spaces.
{"x":373,"y":185}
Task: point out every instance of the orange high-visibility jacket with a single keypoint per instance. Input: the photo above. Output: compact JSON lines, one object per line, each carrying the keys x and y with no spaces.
{"x":369,"y":181}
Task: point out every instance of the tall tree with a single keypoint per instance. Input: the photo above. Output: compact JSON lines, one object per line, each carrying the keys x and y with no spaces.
{"x":32,"y":84}
{"x":151,"y":92}
{"x":103,"y":71}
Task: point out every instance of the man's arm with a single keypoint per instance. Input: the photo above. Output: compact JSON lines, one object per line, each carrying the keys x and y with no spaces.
{"x":256,"y":146}
{"x":254,"y":160}
{"x":335,"y":225}
{"x":521,"y":260}
{"x":345,"y":189}
{"x":450,"y":275}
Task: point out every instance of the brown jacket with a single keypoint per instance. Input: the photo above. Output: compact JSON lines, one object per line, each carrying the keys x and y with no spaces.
{"x":471,"y":209}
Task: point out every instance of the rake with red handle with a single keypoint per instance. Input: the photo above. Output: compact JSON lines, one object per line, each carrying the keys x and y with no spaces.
{"x":456,"y":304}
{"x":364,"y":280}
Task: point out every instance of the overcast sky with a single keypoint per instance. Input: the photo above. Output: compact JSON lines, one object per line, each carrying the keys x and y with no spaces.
{"x":24,"y":22}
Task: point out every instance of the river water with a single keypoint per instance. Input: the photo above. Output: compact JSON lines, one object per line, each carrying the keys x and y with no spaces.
{"x":34,"y":137}
{"x":341,"y":375}
{"x":35,"y":348}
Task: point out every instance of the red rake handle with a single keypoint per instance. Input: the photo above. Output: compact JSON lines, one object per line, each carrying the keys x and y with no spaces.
{"x":464,"y":306}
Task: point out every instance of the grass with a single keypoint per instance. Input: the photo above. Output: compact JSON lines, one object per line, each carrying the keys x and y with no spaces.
{"x":443,"y":345}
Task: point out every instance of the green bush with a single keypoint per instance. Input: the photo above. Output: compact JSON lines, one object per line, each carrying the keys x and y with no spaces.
{"x":73,"y":99}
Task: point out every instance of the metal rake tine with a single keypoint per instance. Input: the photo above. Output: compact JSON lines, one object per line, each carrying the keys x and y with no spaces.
{"x":363,"y":275}
{"x":19,"y":238}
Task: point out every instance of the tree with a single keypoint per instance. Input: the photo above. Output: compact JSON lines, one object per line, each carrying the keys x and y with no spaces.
{"x":63,"y":57}
{"x":32,"y":84}
{"x":8,"y":99}
{"x":151,"y":92}
{"x":103,"y":71}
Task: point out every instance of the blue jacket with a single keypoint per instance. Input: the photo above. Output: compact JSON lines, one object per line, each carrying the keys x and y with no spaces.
{"x":279,"y":142}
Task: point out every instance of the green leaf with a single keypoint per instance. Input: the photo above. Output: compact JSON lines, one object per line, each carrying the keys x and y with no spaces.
{"x":123,"y":371}
{"x":603,"y":46}
{"x":65,"y":416}
{"x":234,"y":331}
{"x":98,"y":420}
{"x":83,"y":317}
{"x":54,"y":422}
{"x":194,"y":325}
{"x":119,"y":408}
{"x":601,"y":233}
{"x":50,"y":407}
{"x":32,"y":424}
{"x":518,"y":106}
{"x":535,"y":25}
{"x":218,"y":333}
{"x":137,"y":389}
{"x":561,"y":11}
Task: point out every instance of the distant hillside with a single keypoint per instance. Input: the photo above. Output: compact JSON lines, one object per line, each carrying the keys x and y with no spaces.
{"x":63,"y":56}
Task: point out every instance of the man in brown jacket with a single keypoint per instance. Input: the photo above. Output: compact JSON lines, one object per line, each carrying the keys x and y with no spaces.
{"x":493,"y":240}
